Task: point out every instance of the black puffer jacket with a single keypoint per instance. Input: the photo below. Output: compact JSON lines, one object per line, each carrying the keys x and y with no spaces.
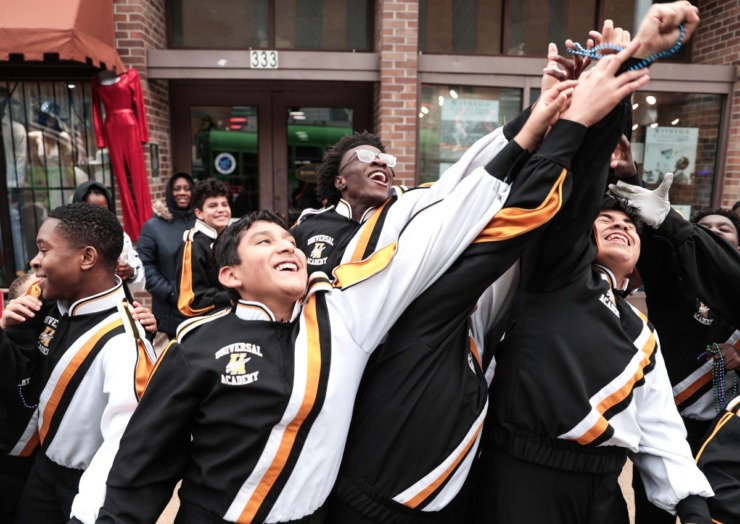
{"x":160,"y":239}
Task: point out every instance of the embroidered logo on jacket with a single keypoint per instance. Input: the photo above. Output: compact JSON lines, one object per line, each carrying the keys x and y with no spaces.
{"x":235,"y":371}
{"x":47,"y":334}
{"x":317,"y":244}
{"x":702,"y":314}
{"x":609,"y":301}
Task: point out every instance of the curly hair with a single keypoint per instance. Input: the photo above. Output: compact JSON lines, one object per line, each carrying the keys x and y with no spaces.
{"x":84,"y":224}
{"x":208,"y":188}
{"x":729,"y":215}
{"x":617,"y":204}
{"x":329,"y":168}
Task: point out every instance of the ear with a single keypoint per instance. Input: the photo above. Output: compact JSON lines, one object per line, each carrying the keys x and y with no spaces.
{"x":198,"y":214}
{"x":88,"y":257}
{"x":228,"y":278}
{"x":340,"y":183}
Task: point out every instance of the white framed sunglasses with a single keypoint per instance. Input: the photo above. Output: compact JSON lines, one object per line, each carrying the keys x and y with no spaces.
{"x":367,"y":156}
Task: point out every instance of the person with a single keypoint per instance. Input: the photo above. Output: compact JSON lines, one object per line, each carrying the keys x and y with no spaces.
{"x":129,"y":268}
{"x":198,"y":288}
{"x":355,"y":178}
{"x":88,"y":367}
{"x":298,"y":354}
{"x":159,"y":242}
{"x":719,"y":459}
{"x":736,"y":208}
{"x":580,"y":381}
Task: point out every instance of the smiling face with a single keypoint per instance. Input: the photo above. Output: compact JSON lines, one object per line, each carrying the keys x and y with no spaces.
{"x":272,"y":271}
{"x":216,"y":212}
{"x":363,"y":184}
{"x":618,"y":242}
{"x":182,"y":192}
{"x":57,"y":265}
{"x":722,"y":226}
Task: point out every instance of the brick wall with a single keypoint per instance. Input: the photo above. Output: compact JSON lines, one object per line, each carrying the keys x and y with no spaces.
{"x":718,"y":42}
{"x":396,"y":38}
{"x":139,"y":26}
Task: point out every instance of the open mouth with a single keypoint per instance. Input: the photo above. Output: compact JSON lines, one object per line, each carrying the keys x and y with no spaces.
{"x":619,"y":237}
{"x":287,"y":266}
{"x":380,"y":177}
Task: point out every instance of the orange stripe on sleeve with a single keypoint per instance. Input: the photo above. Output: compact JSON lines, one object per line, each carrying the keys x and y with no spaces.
{"x":69,"y":372}
{"x":693,"y":388}
{"x":309,"y":398}
{"x":186,"y":285}
{"x":30,"y":445}
{"x":474,"y":350}
{"x":514,"y":221}
{"x":618,"y":396}
{"x":422,"y":496}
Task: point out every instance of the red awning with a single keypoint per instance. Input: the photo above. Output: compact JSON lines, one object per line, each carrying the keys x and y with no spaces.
{"x":79,"y":30}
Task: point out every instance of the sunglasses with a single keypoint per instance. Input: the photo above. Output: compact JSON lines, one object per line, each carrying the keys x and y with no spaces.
{"x":367,"y":156}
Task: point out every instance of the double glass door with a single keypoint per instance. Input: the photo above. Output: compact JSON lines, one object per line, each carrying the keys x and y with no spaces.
{"x":265,"y":144}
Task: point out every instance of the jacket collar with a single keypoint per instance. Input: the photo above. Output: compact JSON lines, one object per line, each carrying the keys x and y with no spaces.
{"x":206,"y":229}
{"x":609,"y":277}
{"x":102,"y":301}
{"x":248,"y":310}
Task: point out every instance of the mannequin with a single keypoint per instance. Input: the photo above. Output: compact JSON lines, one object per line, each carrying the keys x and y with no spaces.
{"x":123,"y":132}
{"x":15,"y":145}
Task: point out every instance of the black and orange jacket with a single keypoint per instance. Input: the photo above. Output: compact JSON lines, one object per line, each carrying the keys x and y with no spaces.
{"x":580,"y":380}
{"x":719,"y":459}
{"x":268,"y":404}
{"x":418,"y":416}
{"x":84,"y":379}
{"x":685,"y":323}
{"x":198,"y":288}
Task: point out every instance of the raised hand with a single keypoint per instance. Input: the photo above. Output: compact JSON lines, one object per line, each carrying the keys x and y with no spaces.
{"x":19,"y":310}
{"x":622,"y":162}
{"x":544,"y":114}
{"x":652,"y":206}
{"x":600,"y":89}
{"x":659,"y":29}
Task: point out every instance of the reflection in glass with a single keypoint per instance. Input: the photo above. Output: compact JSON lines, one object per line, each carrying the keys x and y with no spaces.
{"x":49,"y":147}
{"x":225,"y":147}
{"x":311,"y":130}
{"x":322,"y":24}
{"x":226,"y":24}
{"x":460,"y":26}
{"x":452,"y":118}
{"x":678,"y":133}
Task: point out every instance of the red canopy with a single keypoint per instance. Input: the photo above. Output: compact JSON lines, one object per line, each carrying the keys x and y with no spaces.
{"x":78,"y":30}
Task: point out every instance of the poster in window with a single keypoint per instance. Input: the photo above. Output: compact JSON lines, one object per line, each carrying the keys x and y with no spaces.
{"x":670,"y":150}
{"x":464,"y":121}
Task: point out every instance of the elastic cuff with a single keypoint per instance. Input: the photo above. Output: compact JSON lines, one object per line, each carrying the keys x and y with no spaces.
{"x":694,"y":509}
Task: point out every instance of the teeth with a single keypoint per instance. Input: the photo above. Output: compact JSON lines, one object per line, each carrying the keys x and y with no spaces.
{"x":288,"y":266}
{"x":378,"y":176}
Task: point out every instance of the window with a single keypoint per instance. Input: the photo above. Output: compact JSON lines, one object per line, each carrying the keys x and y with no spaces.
{"x":49,"y":146}
{"x":272,"y":24}
{"x":452,"y":118}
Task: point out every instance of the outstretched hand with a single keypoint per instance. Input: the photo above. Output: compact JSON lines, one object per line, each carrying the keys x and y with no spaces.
{"x":600,"y":89}
{"x":652,"y":206}
{"x":622,"y":162}
{"x":544,"y":114}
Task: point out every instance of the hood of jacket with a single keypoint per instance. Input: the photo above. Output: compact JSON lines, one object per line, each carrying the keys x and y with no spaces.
{"x":84,"y":188}
{"x":170,"y":206}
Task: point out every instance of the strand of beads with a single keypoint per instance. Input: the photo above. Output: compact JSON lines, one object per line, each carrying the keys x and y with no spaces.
{"x":23,"y":399}
{"x":597,"y":52}
{"x":718,"y":377}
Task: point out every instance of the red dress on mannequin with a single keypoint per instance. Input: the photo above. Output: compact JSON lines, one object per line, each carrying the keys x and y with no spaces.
{"x":124,"y":132}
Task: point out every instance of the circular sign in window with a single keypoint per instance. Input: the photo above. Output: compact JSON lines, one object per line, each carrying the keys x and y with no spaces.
{"x":225,"y":163}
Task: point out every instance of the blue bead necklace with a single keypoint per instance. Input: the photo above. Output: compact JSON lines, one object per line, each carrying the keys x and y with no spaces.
{"x":597,"y":52}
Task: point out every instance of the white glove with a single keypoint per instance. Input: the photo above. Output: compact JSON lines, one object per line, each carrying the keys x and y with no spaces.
{"x":653,"y":206}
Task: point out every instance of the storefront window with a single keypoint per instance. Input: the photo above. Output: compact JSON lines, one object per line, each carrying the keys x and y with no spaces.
{"x":452,"y":118}
{"x":49,"y":146}
{"x":225,"y":147}
{"x":678,"y":133}
{"x":460,"y":26}
{"x":330,"y":25}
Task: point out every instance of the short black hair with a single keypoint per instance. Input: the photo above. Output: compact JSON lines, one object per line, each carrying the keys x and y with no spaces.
{"x":618,"y":204}
{"x":208,"y":188}
{"x":732,"y":217}
{"x":226,"y":248}
{"x":329,"y":168}
{"x":84,"y":224}
{"x":14,"y":290}
{"x":736,"y":205}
